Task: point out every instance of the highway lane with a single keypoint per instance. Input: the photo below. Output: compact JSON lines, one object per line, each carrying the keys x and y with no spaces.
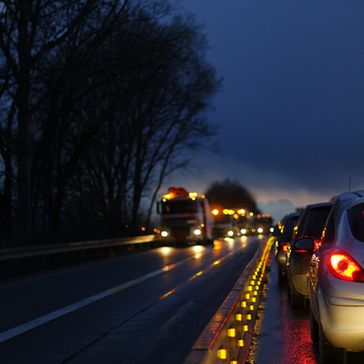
{"x":146,"y":306}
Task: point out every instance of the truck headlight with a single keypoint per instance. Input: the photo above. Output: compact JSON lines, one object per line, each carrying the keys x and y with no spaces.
{"x":260,"y":230}
{"x":197,"y":232}
{"x":164,"y":234}
{"x":230,"y":233}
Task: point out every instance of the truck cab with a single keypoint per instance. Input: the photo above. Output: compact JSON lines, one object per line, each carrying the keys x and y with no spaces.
{"x":223,"y":223}
{"x":185,"y":217}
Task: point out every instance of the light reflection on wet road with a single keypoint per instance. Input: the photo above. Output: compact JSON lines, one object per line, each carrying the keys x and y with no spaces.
{"x":284,"y":335}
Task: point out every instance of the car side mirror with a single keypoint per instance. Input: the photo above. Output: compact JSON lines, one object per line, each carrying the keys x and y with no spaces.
{"x":303,"y":245}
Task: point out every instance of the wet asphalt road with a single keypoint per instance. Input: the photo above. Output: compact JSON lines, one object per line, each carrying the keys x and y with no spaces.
{"x":144,"y":307}
{"x":284,"y":336}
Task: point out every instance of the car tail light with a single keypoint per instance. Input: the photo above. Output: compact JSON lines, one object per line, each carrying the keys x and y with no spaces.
{"x":317,"y":244}
{"x":285,"y":247}
{"x":343,"y":266}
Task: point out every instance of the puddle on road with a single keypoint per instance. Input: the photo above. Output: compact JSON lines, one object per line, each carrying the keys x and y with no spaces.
{"x":282,"y":335}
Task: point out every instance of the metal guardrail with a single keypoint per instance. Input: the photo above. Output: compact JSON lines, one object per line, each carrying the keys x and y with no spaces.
{"x":227,"y":337}
{"x":25,"y":252}
{"x":24,"y":260}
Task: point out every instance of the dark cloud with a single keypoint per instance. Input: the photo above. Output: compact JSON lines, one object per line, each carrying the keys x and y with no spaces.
{"x":291,"y":110}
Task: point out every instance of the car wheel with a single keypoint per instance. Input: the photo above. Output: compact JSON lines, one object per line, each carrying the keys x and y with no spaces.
{"x":295,"y":299}
{"x":328,"y":353}
{"x":314,"y":329}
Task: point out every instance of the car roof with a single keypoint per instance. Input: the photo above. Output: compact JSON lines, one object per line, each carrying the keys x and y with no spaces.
{"x":344,"y":200}
{"x":348,"y":196}
{"x":317,"y":205}
{"x":290,"y":216}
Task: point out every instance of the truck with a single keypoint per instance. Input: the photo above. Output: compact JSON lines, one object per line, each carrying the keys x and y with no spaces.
{"x":223,"y":223}
{"x":185,"y":217}
{"x":262,"y":224}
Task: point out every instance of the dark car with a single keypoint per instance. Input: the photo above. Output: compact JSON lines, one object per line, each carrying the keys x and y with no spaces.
{"x":311,"y":225}
{"x":284,"y":236}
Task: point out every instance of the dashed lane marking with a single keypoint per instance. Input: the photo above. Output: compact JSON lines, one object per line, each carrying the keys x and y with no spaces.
{"x":30,"y":325}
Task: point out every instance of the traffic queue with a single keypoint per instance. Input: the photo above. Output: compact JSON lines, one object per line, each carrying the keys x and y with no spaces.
{"x":320,"y":253}
{"x":187,"y":217}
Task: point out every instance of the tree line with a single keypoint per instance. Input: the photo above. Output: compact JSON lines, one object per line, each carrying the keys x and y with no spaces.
{"x":231,"y":194}
{"x":100,"y":100}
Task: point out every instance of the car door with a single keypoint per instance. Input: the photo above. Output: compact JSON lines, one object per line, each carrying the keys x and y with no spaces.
{"x":328,"y":236}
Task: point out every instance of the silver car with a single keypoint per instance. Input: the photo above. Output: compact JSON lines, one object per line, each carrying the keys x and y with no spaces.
{"x":336,"y":281}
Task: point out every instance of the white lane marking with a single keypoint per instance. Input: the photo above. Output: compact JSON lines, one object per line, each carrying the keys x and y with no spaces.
{"x":30,"y":325}
{"x":62,"y":271}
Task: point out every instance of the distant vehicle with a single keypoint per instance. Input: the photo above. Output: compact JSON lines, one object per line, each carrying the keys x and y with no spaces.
{"x":336,"y":281}
{"x":310,"y":224}
{"x":284,"y":235}
{"x":262,"y":224}
{"x":185,"y":217}
{"x":223,"y":223}
{"x":241,"y":225}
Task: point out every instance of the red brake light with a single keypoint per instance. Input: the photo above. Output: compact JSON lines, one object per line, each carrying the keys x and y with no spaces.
{"x":343,"y":266}
{"x":317,"y":244}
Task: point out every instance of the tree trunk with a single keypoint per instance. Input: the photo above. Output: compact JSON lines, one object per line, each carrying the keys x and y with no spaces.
{"x":23,"y":142}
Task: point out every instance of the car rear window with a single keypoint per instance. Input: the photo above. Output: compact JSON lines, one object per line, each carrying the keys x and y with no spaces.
{"x":356,"y":220}
{"x":314,"y":222}
{"x":288,"y":228}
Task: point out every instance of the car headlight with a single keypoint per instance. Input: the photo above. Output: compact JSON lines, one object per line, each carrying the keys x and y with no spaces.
{"x":243,"y":231}
{"x":230,"y":233}
{"x":260,"y":230}
{"x":164,"y":234}
{"x":197,"y":232}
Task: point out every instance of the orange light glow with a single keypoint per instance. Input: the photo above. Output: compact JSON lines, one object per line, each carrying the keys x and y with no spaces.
{"x":167,"y":294}
{"x":193,"y":195}
{"x":166,"y":250}
{"x":200,"y":273}
{"x":215,"y":212}
{"x":169,"y":196}
{"x":198,"y":249}
{"x":168,"y":268}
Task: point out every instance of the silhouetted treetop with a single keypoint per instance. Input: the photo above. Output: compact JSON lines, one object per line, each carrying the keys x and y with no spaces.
{"x":231,"y":194}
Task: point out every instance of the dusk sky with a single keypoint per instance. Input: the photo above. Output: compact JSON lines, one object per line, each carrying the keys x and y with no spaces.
{"x":291,"y":107}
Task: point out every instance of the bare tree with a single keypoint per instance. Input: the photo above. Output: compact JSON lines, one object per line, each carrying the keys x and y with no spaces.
{"x":99,"y":101}
{"x":30,"y":33}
